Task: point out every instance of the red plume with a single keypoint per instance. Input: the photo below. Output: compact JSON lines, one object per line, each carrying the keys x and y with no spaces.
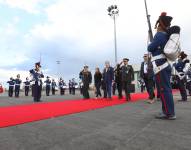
{"x":163,"y":14}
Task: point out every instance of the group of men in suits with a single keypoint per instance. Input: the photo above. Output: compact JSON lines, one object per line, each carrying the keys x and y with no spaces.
{"x":122,"y":75}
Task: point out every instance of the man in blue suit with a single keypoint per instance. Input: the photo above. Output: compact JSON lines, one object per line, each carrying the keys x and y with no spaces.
{"x":108,"y":77}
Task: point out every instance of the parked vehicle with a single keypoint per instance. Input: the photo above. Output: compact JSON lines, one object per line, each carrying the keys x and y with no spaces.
{"x":1,"y":88}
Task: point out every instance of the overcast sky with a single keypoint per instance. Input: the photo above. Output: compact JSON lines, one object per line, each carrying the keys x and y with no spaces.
{"x":78,"y":32}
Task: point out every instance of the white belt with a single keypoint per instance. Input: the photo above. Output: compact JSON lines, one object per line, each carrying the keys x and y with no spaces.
{"x":181,"y":75}
{"x":11,"y":85}
{"x":157,"y":69}
{"x":17,"y":84}
{"x":33,"y":82}
{"x":157,"y":57}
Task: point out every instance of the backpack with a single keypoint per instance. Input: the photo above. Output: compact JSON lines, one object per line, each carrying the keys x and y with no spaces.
{"x":172,"y":48}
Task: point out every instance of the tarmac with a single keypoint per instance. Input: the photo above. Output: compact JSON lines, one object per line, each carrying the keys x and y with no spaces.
{"x":130,"y":126}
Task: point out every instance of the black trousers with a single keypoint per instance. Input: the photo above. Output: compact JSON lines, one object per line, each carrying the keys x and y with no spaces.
{"x":127,"y":88}
{"x":113,"y":89}
{"x":98,"y":92}
{"x":189,"y":87}
{"x":70,"y":90}
{"x":142,"y":88}
{"x":26,"y":90}
{"x":182,"y":88}
{"x":85,"y":91}
{"x":11,"y":88}
{"x":73,"y":91}
{"x":119,"y":89}
{"x":37,"y":92}
{"x":62,"y":91}
{"x":17,"y":90}
{"x":53,"y":91}
{"x":149,"y":83}
{"x":47,"y":90}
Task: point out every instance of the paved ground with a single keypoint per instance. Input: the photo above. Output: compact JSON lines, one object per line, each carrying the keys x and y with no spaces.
{"x":124,"y":127}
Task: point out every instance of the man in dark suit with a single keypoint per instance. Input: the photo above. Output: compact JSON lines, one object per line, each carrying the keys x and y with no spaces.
{"x":118,"y":80}
{"x":86,"y":78}
{"x":127,"y":73}
{"x":147,"y":74}
{"x":108,"y":77}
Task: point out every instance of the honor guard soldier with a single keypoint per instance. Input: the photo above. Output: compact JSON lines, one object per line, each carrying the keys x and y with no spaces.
{"x":181,"y":68}
{"x":62,"y":86}
{"x":73,"y":86}
{"x":53,"y":84}
{"x":11,"y":87}
{"x":161,"y":67}
{"x":36,"y":81}
{"x":127,"y":73}
{"x":70,"y":86}
{"x":48,"y":84}
{"x":27,"y":86}
{"x":17,"y":85}
{"x":189,"y":80}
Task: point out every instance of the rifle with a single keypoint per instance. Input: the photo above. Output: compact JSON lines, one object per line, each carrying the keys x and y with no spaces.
{"x":150,"y":33}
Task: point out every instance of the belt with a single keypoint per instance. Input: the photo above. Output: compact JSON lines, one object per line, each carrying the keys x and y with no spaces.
{"x":157,"y":57}
{"x":157,"y":69}
{"x":17,"y":84}
{"x":181,"y":75}
{"x":11,"y":85}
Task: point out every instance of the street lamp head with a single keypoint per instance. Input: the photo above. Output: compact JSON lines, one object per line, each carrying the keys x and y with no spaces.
{"x":109,"y":9}
{"x":113,"y":10}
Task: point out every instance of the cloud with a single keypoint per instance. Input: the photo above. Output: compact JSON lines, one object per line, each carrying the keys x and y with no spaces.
{"x":79,"y":32}
{"x":11,"y":49}
{"x":31,"y":6}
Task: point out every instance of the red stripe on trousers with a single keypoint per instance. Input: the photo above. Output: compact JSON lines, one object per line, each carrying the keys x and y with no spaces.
{"x":162,"y":95}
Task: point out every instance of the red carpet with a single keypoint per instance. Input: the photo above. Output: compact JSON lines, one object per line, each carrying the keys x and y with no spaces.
{"x":20,"y":114}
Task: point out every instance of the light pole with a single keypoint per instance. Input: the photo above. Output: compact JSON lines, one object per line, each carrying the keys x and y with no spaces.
{"x":113,"y":12}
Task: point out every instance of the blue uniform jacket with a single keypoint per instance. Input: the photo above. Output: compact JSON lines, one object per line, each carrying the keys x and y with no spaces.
{"x":17,"y":82}
{"x":27,"y":83}
{"x":54,"y":84}
{"x":156,"y":47}
{"x":48,"y":82}
{"x":179,"y":66}
{"x":37,"y":75}
{"x":11,"y":83}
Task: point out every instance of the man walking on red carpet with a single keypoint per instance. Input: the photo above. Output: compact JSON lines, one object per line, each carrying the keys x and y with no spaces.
{"x":108,"y":77}
{"x":127,"y":78}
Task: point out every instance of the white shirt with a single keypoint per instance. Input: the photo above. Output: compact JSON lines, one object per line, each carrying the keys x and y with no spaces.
{"x":145,"y":67}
